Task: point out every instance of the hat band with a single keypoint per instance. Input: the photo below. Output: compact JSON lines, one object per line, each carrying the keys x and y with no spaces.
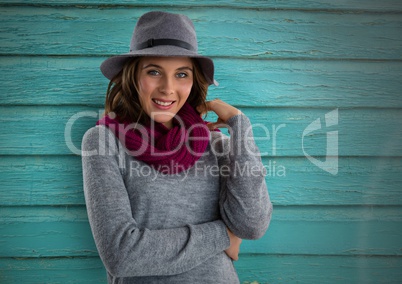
{"x":163,"y":41}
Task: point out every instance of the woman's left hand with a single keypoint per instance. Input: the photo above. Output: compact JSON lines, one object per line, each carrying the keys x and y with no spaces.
{"x":223,"y":110}
{"x":234,"y":249}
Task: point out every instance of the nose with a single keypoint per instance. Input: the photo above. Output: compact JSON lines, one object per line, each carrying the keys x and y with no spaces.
{"x":166,"y":85}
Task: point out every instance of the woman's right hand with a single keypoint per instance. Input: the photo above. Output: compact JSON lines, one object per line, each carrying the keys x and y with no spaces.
{"x":234,"y":249}
{"x":223,"y":110}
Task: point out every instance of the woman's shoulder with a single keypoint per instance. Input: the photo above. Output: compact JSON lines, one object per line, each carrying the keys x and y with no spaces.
{"x":95,"y":132}
{"x":98,"y":136}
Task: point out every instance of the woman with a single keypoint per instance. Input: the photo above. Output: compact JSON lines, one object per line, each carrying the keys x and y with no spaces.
{"x":169,"y":197}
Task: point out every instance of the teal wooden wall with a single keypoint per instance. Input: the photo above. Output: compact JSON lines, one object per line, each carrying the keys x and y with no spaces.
{"x":284,"y":63}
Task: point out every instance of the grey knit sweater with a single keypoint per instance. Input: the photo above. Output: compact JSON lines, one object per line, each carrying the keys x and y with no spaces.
{"x":151,"y":227}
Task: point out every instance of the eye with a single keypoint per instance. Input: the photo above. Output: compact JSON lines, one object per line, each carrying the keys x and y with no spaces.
{"x":153,"y":72}
{"x":182,"y":75}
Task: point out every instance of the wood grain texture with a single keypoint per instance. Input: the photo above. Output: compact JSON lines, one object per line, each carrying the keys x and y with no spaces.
{"x":252,"y":269}
{"x":284,"y":63}
{"x":359,"y":5}
{"x":52,"y":270}
{"x":316,"y":230}
{"x":41,"y":180}
{"x":40,"y":130}
{"x":263,"y":83}
{"x":321,"y":230}
{"x":270,"y":33}
{"x":57,"y":180}
{"x":264,"y":269}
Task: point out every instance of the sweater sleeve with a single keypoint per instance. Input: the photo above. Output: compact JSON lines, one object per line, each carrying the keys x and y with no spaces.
{"x":245,"y":205}
{"x":125,"y":249}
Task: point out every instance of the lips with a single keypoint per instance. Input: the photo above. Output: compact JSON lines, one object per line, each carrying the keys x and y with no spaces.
{"x":162,"y":103}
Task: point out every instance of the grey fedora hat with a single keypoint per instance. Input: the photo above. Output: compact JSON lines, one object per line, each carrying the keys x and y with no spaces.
{"x":161,"y":34}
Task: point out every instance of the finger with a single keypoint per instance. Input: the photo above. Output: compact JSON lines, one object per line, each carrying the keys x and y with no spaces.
{"x":211,"y":126}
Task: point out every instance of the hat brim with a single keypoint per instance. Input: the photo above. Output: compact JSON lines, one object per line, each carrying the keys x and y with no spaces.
{"x":113,"y":65}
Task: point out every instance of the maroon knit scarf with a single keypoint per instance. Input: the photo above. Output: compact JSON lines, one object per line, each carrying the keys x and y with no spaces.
{"x":169,"y":151}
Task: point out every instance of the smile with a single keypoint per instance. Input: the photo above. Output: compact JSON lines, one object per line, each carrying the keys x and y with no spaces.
{"x":161,"y":103}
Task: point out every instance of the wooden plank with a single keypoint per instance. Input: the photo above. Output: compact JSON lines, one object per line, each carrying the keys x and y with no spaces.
{"x":45,"y":231}
{"x":47,"y":127}
{"x":251,"y":269}
{"x":52,"y":270}
{"x":236,"y":32}
{"x":331,"y":230}
{"x":258,"y":269}
{"x":278,"y":131}
{"x":315,"y":230}
{"x":57,"y":180}
{"x":42,"y":80}
{"x":41,"y":180}
{"x":359,"y":181}
{"x":308,"y":83}
{"x":359,"y":5}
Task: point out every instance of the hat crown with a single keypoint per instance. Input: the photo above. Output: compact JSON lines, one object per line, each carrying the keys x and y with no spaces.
{"x":163,"y":25}
{"x":161,"y":34}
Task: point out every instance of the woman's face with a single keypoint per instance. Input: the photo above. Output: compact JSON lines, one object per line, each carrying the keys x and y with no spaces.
{"x":164,"y":84}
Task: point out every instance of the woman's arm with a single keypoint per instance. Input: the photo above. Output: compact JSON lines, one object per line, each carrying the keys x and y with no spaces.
{"x":245,"y":205}
{"x":126,"y":250}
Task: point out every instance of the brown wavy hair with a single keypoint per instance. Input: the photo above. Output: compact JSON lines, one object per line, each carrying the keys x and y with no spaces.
{"x":122,"y":93}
